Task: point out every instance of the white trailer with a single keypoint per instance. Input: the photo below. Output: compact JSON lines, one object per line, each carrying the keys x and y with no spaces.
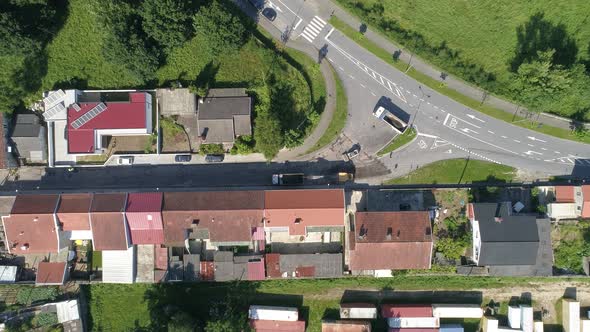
{"x":457,"y":311}
{"x":571,"y":315}
{"x":413,"y":322}
{"x":262,"y":312}
{"x":358,"y":311}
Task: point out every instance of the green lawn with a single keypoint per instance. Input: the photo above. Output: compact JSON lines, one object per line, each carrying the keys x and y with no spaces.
{"x":443,"y":89}
{"x":338,"y":118}
{"x":468,"y":38}
{"x":131,"y":307}
{"x":458,"y":171}
{"x":398,"y":142}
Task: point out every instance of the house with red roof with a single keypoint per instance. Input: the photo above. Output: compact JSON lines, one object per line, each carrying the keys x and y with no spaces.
{"x":144,"y":216}
{"x":31,"y":227}
{"x":567,"y":202}
{"x":383,"y":241}
{"x":73,"y":215}
{"x":80,"y":122}
{"x":107,"y":221}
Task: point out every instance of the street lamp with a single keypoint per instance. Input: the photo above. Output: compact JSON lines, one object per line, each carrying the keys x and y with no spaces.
{"x":419,"y":103}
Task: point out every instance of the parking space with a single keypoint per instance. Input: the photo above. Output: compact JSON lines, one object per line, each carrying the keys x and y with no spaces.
{"x":397,"y":200}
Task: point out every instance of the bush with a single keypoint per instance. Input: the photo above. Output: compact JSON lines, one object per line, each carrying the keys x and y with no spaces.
{"x":211,"y":149}
{"x":243,"y":145}
{"x":29,"y":295}
{"x":45,"y":319}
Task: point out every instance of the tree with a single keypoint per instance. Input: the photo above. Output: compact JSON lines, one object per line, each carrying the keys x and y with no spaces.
{"x":224,"y":318}
{"x":223,"y":30}
{"x":167,"y":21}
{"x":181,"y":322}
{"x":267,"y":134}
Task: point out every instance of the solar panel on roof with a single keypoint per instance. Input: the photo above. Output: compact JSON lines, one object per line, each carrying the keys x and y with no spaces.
{"x":53,"y":98}
{"x":76,"y":107}
{"x":55,"y":110}
{"x":96,"y":110}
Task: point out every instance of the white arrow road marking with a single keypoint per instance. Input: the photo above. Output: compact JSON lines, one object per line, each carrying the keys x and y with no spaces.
{"x":529,"y":152}
{"x":535,"y":139}
{"x":473,"y":117}
{"x":467,"y":130}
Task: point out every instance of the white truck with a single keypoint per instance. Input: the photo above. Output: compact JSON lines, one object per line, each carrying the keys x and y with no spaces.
{"x":395,"y":122}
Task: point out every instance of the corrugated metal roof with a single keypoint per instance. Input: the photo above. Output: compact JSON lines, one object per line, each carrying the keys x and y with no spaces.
{"x":256,"y":270}
{"x":7,"y":274}
{"x":405,"y":310}
{"x":311,"y":265}
{"x":118,"y":266}
{"x":50,"y":273}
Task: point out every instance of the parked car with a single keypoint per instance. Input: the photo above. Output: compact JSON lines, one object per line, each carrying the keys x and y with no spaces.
{"x":258,"y":4}
{"x":269,"y":13}
{"x":351,"y":154}
{"x":182,"y":158}
{"x":125,"y":160}
{"x":214,"y":158}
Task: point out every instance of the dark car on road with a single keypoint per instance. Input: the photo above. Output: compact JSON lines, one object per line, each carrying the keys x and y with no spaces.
{"x":182,"y":158}
{"x":258,"y":4}
{"x":214,"y":158}
{"x":269,"y":13}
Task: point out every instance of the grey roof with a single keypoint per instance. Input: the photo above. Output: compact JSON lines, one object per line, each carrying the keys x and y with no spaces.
{"x":512,"y":228}
{"x":229,"y":267}
{"x":175,"y":269}
{"x":227,"y":92}
{"x":224,"y":118}
{"x":26,"y":125}
{"x":326,"y":265}
{"x":176,"y":102}
{"x":506,"y":239}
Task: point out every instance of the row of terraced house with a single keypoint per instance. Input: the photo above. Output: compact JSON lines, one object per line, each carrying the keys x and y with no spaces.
{"x":236,"y":235}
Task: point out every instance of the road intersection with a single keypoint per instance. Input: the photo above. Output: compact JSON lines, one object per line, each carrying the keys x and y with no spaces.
{"x":367,"y":79}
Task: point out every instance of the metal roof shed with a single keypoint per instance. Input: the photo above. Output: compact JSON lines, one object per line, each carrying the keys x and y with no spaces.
{"x":7,"y":274}
{"x":118,"y":266}
{"x":261,"y":312}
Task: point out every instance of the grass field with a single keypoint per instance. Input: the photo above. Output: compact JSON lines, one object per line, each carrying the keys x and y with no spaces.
{"x":338,"y":118}
{"x":443,"y":89}
{"x":483,"y":32}
{"x":398,"y":142}
{"x":132,"y":307}
{"x":457,"y":171}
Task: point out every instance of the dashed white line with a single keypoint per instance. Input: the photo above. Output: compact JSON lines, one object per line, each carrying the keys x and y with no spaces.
{"x":330,"y":60}
{"x":435,"y":107}
{"x":363,"y":85}
{"x":503,"y":136}
{"x":414,"y":95}
{"x":428,"y":102}
{"x":411,"y":105}
{"x":374,"y":95}
{"x":557,"y":152}
{"x":340,"y":68}
{"x":543,"y":149}
{"x":517,"y":141}
{"x":351,"y":77}
{"x":491,"y":132}
{"x":530,"y":145}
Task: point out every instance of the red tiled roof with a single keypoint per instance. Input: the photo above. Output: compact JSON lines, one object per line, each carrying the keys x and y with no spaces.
{"x":258,"y":234}
{"x":256,"y":270}
{"x":108,"y":222}
{"x":118,"y":115}
{"x":277,"y":325}
{"x":564,"y":194}
{"x":391,"y":240}
{"x":35,"y":204}
{"x":405,"y":310}
{"x":50,"y":273}
{"x":73,"y":212}
{"x":391,"y":256}
{"x":298,"y":209}
{"x":228,"y":216}
{"x":273,"y":268}
{"x":586,"y":204}
{"x":346,"y":326}
{"x":31,"y":228}
{"x":145,"y":218}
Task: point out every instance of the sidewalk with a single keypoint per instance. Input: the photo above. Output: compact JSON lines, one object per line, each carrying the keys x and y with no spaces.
{"x":168,"y":159}
{"x":328,"y":8}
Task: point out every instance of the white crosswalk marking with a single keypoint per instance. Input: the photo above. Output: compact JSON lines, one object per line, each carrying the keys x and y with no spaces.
{"x":313,"y":29}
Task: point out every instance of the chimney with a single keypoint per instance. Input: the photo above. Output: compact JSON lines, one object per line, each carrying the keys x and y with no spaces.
{"x":389,"y":233}
{"x":24,"y":247}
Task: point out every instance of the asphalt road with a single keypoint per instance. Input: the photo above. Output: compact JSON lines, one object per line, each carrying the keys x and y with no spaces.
{"x":368,"y":80}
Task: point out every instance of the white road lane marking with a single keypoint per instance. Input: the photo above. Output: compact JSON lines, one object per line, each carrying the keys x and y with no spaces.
{"x":503,"y":136}
{"x":517,"y":141}
{"x":532,"y":146}
{"x":447,"y":118}
{"x":352,"y":77}
{"x":543,"y":149}
{"x":384,"y":81}
{"x":467,"y":130}
{"x":374,"y":95}
{"x":532,"y":138}
{"x":331,"y":60}
{"x":529,"y":152}
{"x":473,"y":117}
{"x":557,"y":152}
{"x":363,"y":85}
{"x":491,"y":132}
{"x":341,"y":68}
